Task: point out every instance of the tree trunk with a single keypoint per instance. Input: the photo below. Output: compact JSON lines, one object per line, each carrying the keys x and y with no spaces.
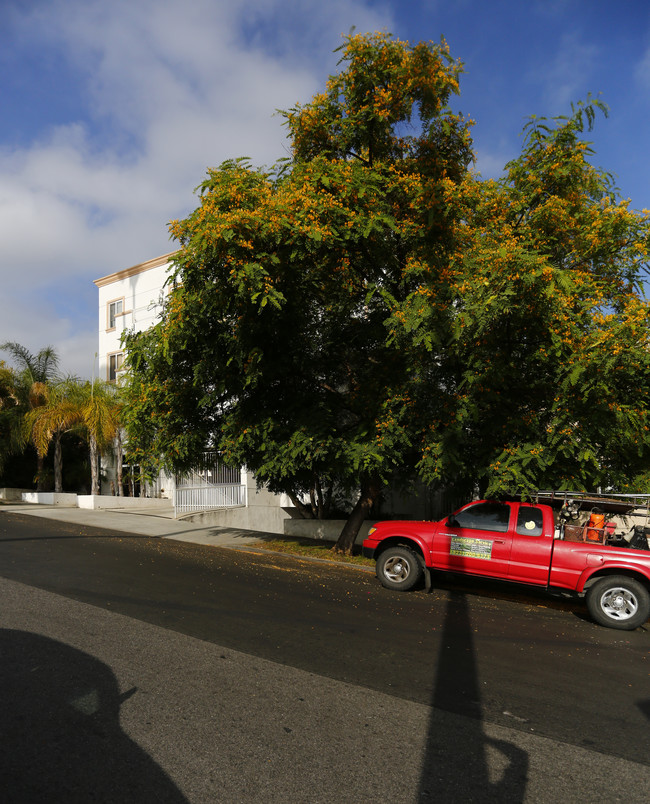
{"x":328,"y":500}
{"x":94,"y":467}
{"x":58,"y":464}
{"x":304,"y":511}
{"x":40,"y":473}
{"x":119,"y":457}
{"x":370,"y":490}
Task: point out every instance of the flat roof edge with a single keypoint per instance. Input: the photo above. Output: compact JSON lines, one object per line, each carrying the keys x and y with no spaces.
{"x":134,"y":269}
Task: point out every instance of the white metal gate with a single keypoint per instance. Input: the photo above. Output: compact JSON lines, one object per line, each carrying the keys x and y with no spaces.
{"x":212,"y":486}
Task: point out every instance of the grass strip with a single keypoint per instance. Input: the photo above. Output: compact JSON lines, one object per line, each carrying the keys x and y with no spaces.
{"x":312,"y":548}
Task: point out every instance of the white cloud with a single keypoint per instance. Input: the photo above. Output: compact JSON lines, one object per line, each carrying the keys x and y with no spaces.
{"x":642,"y":72}
{"x":35,"y":325}
{"x":567,"y":73}
{"x":169,"y":88}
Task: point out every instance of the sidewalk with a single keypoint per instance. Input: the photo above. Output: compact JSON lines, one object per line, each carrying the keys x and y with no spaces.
{"x":154,"y":522}
{"x":158,"y":523}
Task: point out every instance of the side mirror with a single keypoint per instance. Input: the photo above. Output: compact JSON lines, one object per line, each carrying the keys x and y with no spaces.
{"x":452,"y":522}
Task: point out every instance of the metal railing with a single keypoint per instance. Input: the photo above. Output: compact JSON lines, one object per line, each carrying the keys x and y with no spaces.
{"x":212,"y":485}
{"x":204,"y":497}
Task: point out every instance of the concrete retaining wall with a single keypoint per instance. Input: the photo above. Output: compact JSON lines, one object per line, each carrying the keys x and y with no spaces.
{"x":13,"y":494}
{"x":267,"y":519}
{"x":84,"y":500}
{"x":327,"y":529}
{"x":50,"y":498}
{"x":96,"y":501}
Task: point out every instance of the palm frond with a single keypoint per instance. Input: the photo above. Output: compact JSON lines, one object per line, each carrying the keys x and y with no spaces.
{"x":41,"y":367}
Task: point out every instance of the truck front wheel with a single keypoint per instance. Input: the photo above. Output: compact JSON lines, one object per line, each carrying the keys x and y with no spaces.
{"x":619,"y":602}
{"x":399,"y":568}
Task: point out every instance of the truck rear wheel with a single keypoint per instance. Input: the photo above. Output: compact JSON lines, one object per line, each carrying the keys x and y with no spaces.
{"x":619,"y":602}
{"x":399,"y":568}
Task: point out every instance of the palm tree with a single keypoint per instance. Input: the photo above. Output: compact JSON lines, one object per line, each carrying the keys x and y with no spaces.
{"x":11,"y":431}
{"x":91,"y":408}
{"x":60,"y":413}
{"x":33,"y":373}
{"x":54,"y":406}
{"x":101,"y":415}
{"x":41,"y":367}
{"x":118,"y":446}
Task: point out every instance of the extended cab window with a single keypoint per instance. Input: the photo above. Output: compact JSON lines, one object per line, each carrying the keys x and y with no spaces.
{"x":530,"y":522}
{"x":484,"y":516}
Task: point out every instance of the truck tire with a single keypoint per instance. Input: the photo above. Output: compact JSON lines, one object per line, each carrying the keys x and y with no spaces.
{"x":619,"y":602}
{"x":399,"y":568}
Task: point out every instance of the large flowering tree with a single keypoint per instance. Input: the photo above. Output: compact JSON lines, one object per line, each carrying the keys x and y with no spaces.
{"x":370,"y":308}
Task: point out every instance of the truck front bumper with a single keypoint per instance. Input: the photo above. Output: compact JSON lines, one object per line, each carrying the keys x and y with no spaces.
{"x":368,"y":551}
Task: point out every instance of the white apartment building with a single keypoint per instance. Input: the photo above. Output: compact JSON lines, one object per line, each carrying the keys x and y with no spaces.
{"x":129,"y":299}
{"x":132,"y":299}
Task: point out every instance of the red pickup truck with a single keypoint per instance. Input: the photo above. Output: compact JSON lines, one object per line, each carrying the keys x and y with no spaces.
{"x":520,"y":542}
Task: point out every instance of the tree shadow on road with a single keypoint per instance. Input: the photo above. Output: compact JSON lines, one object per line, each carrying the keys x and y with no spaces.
{"x":461,"y":762}
{"x":61,"y":736}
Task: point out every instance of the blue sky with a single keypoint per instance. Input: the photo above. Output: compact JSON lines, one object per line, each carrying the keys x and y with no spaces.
{"x":113,"y":109}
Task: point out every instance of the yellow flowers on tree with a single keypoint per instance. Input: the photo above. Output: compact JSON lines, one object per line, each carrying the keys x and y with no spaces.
{"x":547,"y":373}
{"x":369,"y":308}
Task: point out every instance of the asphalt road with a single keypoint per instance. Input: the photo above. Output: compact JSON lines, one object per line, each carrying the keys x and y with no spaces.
{"x":245,"y":676}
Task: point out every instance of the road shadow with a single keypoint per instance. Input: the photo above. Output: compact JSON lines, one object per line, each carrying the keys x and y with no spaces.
{"x":461,"y":762}
{"x":37,"y":530}
{"x":60,"y":729}
{"x":644,"y":706}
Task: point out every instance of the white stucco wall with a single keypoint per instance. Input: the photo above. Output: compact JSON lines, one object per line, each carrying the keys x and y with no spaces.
{"x":141,"y":289}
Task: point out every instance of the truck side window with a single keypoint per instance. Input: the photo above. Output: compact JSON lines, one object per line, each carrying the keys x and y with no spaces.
{"x":530,"y":521}
{"x":485,"y":516}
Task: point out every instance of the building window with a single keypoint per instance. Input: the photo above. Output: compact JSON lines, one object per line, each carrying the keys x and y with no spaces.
{"x":115,"y":308}
{"x":114,"y":365}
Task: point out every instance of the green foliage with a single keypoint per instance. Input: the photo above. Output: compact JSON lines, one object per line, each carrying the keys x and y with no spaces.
{"x":29,"y":382}
{"x":39,"y":406}
{"x":11,"y":440}
{"x":90,"y":410}
{"x":369,"y":107}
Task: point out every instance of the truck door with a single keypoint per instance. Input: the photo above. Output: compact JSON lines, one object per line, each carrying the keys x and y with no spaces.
{"x":477,"y":540}
{"x":530,"y":556}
